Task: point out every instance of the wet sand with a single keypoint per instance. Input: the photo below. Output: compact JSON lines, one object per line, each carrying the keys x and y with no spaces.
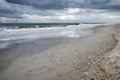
{"x":76,"y":60}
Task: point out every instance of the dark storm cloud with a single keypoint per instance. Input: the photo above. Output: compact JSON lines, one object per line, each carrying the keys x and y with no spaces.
{"x":61,"y":4}
{"x":15,"y":10}
{"x":8,"y":11}
{"x":19,"y":9}
{"x":41,"y":4}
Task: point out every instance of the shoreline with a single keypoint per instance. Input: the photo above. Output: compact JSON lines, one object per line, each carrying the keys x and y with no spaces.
{"x":108,"y":64}
{"x":16,"y":49}
{"x":71,"y":61}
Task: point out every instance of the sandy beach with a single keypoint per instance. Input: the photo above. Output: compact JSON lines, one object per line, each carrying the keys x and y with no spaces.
{"x":93,"y":57}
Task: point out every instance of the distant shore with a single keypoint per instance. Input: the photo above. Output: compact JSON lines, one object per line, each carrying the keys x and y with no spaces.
{"x":81,"y":59}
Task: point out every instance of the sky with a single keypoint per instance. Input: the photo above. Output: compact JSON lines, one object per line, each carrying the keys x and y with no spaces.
{"x":60,"y":11}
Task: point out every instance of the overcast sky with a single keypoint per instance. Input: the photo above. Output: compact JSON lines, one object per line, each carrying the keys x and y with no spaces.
{"x":39,"y":11}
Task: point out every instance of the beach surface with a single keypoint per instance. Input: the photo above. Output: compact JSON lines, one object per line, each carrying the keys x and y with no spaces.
{"x":93,"y":57}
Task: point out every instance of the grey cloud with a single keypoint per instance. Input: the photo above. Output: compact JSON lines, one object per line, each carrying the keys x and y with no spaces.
{"x":61,"y":4}
{"x":8,"y":11}
{"x":17,"y":8}
{"x":16,"y":11}
{"x":41,"y":4}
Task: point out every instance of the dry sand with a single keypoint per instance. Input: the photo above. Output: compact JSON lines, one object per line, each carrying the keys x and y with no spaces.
{"x":107,"y":65}
{"x":82,"y":59}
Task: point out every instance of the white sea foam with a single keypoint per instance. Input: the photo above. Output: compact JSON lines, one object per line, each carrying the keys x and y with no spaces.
{"x":73,"y":31}
{"x":44,"y":32}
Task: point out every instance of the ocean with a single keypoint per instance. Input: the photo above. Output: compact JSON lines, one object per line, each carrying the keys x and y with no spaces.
{"x":15,"y":36}
{"x":29,"y":41}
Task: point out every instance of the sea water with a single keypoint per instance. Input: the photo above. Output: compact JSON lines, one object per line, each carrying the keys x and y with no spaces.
{"x":16,"y":43}
{"x":12,"y":36}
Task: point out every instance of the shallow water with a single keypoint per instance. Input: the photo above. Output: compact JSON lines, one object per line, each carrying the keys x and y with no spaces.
{"x":10,"y":36}
{"x":23,"y":42}
{"x":15,"y":42}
